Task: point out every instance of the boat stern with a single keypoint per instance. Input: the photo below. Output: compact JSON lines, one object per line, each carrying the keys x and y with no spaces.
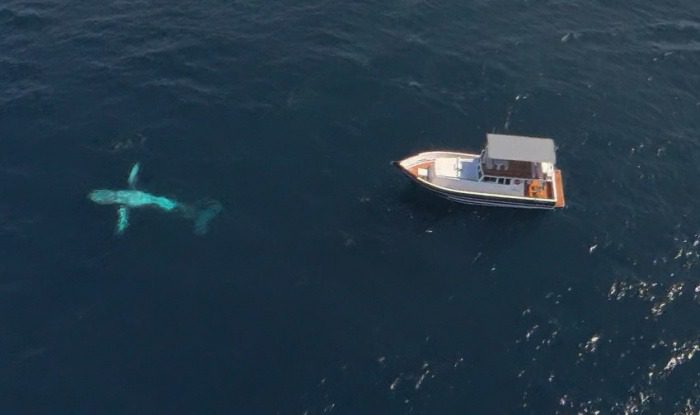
{"x":559,"y":190}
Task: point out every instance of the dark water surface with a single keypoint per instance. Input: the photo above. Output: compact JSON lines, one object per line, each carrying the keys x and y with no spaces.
{"x":329,"y":284}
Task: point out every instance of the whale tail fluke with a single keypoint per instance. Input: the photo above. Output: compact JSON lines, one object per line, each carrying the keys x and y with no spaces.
{"x":203,"y":213}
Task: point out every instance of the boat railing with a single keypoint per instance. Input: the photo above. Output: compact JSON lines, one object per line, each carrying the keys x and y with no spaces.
{"x":431,"y":156}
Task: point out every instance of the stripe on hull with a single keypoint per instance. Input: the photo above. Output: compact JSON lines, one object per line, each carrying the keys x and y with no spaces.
{"x":475,"y":200}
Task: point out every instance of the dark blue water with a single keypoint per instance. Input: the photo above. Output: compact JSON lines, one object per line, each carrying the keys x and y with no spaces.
{"x":328,"y":284}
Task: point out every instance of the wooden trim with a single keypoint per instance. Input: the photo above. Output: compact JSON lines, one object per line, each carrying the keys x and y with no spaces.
{"x":559,"y":183}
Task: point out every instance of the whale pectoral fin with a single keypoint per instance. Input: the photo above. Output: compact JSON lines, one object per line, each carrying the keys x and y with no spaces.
{"x":122,"y":220}
{"x":134,"y":175}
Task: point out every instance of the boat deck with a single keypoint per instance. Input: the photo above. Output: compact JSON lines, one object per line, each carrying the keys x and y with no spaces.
{"x":424,"y":165}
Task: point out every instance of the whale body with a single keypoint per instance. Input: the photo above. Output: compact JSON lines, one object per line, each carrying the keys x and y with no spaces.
{"x":132,"y":199}
{"x":127,"y":199}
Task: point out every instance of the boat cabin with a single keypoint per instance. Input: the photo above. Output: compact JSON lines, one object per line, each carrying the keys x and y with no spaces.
{"x":508,"y":157}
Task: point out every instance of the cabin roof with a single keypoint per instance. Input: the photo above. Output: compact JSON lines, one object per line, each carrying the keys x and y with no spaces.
{"x":518,"y":148}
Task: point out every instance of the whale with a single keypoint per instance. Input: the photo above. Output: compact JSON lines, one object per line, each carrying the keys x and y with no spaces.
{"x":132,"y":198}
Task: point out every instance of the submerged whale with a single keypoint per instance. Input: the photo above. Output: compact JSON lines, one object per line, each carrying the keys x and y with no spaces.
{"x":131,"y":198}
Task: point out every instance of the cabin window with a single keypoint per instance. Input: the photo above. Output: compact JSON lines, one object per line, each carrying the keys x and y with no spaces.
{"x":489,"y":179}
{"x":500,"y":180}
{"x":508,"y":181}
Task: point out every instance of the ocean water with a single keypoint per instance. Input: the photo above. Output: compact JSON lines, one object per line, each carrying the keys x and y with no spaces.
{"x":329,"y":284}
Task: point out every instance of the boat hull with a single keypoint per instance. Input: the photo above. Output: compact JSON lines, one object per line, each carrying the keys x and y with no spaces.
{"x":469,"y":198}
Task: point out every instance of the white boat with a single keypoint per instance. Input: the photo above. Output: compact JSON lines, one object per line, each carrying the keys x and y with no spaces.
{"x":511,"y":171}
